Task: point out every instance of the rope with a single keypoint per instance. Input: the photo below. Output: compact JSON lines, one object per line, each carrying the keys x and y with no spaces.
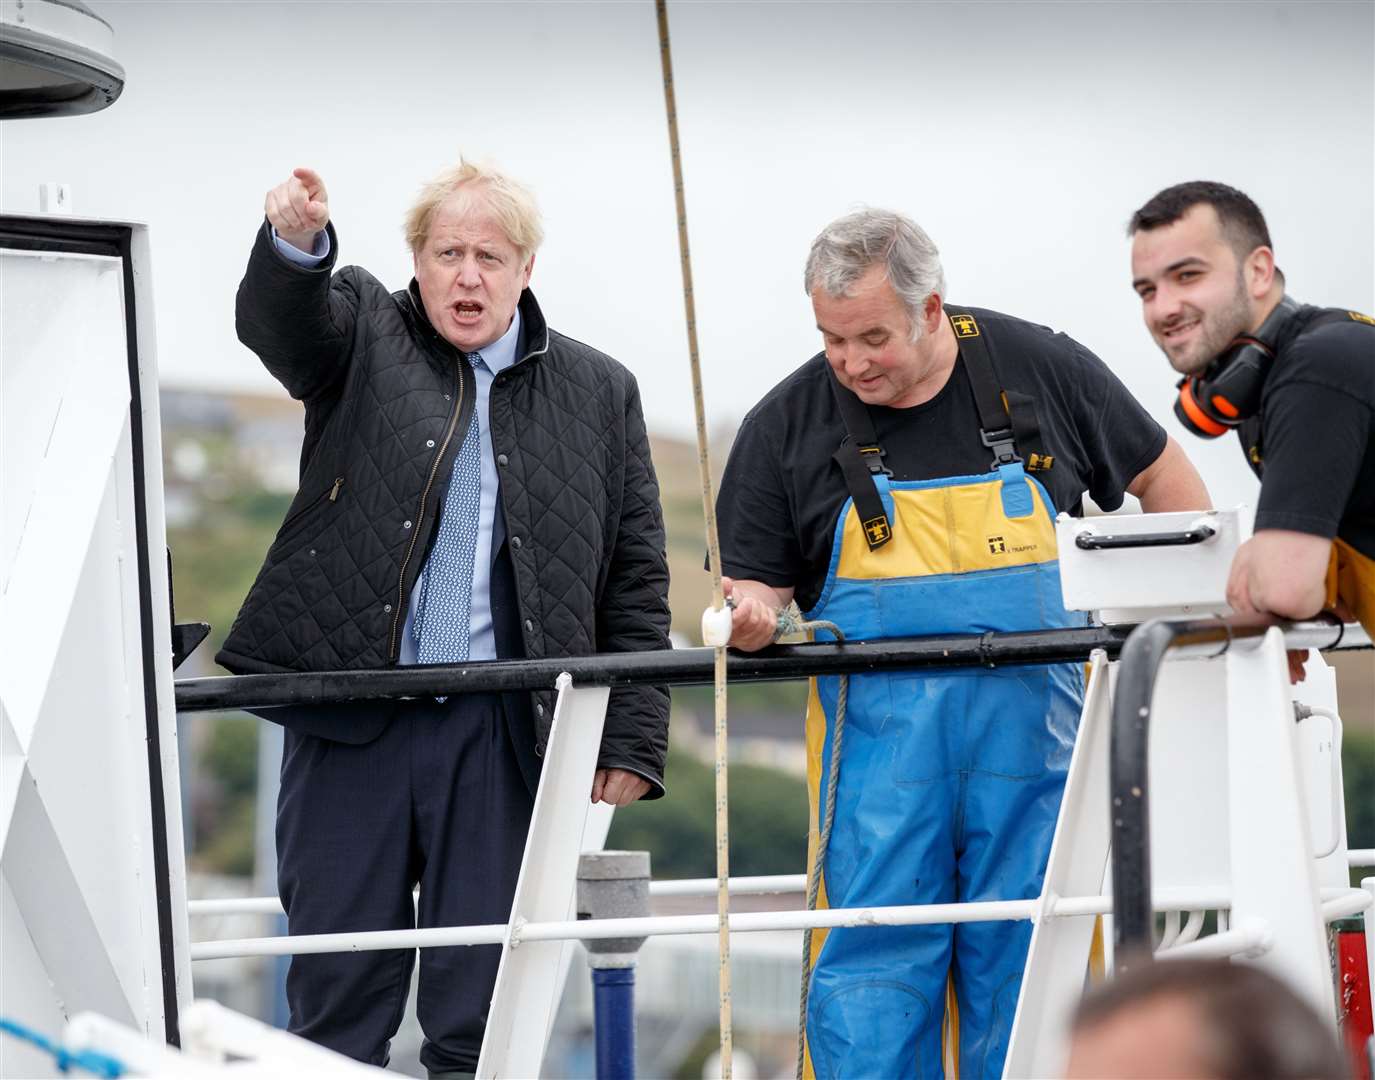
{"x":790,"y":623}
{"x":88,"y":1060}
{"x":713,"y":553}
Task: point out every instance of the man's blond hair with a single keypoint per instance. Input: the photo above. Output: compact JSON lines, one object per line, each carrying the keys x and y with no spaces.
{"x":510,"y":203}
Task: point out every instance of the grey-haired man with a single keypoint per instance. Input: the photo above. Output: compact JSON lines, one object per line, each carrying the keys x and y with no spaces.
{"x":904,"y":482}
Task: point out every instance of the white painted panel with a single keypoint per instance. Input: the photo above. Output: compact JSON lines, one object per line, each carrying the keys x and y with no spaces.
{"x":1057,"y":962}
{"x":89,"y":752}
{"x":57,"y":916}
{"x":527,"y":986}
{"x":1274,"y":875}
{"x":21,"y":974}
{"x":1323,"y":783}
{"x":76,"y":814}
{"x":1188,"y":775}
{"x":62,"y":465}
{"x":62,"y":314}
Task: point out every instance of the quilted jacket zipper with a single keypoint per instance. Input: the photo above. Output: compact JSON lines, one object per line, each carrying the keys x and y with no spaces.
{"x":314,"y":504}
{"x":400,"y":606}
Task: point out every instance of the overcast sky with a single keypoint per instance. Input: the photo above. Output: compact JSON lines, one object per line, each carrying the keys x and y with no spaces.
{"x":1021,"y":135}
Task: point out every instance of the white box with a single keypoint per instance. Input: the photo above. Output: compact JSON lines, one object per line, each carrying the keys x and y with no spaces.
{"x":1131,"y":567}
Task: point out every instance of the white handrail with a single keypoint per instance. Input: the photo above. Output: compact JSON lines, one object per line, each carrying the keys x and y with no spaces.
{"x":590,"y":929}
{"x":1339,"y":903}
{"x":763,"y":885}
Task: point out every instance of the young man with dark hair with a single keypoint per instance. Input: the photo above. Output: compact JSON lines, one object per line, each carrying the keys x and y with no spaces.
{"x":1201,"y":1019}
{"x":1296,"y":382}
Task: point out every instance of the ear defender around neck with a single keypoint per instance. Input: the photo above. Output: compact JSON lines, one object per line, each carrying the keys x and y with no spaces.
{"x":1229,"y":390}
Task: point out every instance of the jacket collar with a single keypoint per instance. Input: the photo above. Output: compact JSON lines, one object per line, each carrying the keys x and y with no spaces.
{"x":534,"y":331}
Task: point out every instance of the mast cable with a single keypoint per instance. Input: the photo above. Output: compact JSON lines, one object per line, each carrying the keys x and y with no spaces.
{"x":713,"y":554}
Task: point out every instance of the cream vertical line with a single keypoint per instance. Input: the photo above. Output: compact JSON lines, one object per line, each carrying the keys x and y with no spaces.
{"x":713,"y":551}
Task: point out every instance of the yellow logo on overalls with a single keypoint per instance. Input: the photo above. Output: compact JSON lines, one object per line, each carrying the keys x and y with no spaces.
{"x":1361,"y":318}
{"x":876,"y":529}
{"x":1039,"y":462}
{"x":965,"y":326}
{"x":997,"y":546}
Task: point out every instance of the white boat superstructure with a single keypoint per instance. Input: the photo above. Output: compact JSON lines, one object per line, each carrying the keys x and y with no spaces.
{"x":1241,"y":826}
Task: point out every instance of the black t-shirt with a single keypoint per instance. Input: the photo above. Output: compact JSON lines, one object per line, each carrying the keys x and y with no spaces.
{"x":782,"y":491}
{"x":1316,"y":435}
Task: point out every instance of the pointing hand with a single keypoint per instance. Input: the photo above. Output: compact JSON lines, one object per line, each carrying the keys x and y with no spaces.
{"x":299,"y":209}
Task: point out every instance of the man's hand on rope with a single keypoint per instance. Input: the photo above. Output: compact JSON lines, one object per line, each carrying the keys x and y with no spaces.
{"x":754,"y":621}
{"x":618,"y":787}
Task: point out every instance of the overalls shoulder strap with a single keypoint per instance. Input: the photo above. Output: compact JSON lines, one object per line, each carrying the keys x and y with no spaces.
{"x":860,"y":458}
{"x":995,"y":423}
{"x":1001,"y":411}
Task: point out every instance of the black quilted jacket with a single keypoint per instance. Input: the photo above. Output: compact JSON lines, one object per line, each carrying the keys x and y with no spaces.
{"x":386,"y":403}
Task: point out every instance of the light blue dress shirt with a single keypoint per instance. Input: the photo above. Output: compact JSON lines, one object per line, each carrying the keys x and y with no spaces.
{"x":496,"y":357}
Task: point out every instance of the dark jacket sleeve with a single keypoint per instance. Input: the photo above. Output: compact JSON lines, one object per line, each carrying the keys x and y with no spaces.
{"x":633,"y":615}
{"x":299,"y":320}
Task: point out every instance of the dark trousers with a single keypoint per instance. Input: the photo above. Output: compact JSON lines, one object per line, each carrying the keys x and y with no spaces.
{"x":437,"y":799}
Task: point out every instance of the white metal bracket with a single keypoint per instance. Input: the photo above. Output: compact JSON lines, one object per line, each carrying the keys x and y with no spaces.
{"x":529,"y":980}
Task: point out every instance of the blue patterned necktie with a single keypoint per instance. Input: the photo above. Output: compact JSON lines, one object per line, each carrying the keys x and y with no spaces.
{"x":441,"y":625}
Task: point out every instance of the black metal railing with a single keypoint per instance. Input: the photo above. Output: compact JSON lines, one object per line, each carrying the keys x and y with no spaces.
{"x":679,"y":667}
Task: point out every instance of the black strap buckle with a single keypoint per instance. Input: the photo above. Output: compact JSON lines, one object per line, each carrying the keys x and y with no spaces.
{"x":873,"y":456}
{"x":1003,"y":445}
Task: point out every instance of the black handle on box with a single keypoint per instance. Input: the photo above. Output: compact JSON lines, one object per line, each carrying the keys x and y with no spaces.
{"x":1087,"y":541}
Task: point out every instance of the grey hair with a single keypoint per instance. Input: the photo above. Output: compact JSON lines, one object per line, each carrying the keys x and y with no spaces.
{"x":849,"y":246}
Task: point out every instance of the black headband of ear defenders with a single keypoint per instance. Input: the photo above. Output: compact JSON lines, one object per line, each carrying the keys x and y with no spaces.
{"x":1229,"y":389}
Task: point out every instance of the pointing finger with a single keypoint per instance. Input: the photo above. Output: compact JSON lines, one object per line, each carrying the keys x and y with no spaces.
{"x":315,"y":187}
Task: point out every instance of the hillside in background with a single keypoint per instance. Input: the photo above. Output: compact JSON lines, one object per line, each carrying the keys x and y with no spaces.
{"x":231,"y":466}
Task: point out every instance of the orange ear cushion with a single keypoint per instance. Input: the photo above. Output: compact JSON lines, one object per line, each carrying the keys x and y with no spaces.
{"x":1225,"y":407}
{"x":1201,"y":420}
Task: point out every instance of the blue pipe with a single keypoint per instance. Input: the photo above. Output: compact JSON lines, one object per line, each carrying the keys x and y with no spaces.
{"x":613,"y":1005}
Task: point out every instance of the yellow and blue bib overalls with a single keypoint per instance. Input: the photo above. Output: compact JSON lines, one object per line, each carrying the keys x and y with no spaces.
{"x":950,"y":780}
